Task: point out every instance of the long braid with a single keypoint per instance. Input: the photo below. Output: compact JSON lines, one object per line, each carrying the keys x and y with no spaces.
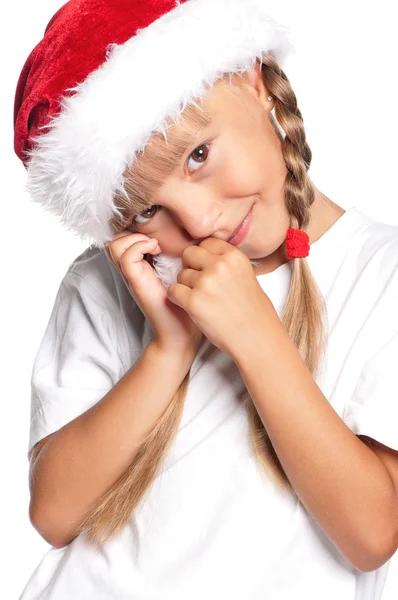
{"x":304,"y":316}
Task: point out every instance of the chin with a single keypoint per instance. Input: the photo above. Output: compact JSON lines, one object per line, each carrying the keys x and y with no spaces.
{"x":167,"y":267}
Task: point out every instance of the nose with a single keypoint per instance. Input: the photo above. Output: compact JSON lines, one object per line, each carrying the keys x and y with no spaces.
{"x":198,"y":216}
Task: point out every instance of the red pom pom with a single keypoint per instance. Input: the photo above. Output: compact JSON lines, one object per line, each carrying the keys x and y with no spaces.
{"x":297,"y":243}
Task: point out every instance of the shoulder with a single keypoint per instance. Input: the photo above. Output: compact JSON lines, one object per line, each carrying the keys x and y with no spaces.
{"x":96,"y":283}
{"x":373,"y":280}
{"x":91,"y":272}
{"x":376,"y":250}
{"x":93,"y":266}
{"x":379,"y":238}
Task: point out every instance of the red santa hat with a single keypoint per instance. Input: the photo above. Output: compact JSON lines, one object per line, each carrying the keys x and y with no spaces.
{"x":110,"y":73}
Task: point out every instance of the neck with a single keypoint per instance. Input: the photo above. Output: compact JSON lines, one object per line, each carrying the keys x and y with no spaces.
{"x":324,"y":213}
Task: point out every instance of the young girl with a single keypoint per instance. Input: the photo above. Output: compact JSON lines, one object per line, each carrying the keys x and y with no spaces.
{"x":213,"y":406}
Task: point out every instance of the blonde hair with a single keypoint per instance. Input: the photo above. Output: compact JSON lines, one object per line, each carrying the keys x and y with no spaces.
{"x":303,"y":315}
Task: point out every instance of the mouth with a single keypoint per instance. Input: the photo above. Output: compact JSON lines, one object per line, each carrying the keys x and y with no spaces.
{"x":241,"y":231}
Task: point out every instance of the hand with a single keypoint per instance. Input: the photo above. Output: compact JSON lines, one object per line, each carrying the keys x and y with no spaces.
{"x":173,"y":329}
{"x":219,"y":291}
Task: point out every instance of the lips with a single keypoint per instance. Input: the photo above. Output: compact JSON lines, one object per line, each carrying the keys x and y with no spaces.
{"x":235,"y":231}
{"x":240,"y":226}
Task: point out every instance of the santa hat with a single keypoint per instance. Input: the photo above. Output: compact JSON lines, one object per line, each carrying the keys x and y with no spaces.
{"x":110,"y":73}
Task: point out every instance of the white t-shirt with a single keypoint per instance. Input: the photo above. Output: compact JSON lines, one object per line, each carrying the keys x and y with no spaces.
{"x":213,"y":526}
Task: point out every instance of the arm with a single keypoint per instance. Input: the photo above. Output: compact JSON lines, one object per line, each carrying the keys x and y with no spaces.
{"x":82,"y":460}
{"x":346,"y":486}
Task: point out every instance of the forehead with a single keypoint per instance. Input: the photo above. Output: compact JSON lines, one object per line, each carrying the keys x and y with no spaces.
{"x":224,"y":97}
{"x":198,"y":116}
{"x":178,"y":137}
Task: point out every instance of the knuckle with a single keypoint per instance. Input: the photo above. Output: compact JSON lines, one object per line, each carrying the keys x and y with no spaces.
{"x":186,"y":252}
{"x":194,"y":304}
{"x":123,"y":261}
{"x":206,"y":283}
{"x":232,"y":255}
{"x":139,"y":237}
{"x":129,"y":239}
{"x":180,"y":277}
{"x":238,"y":258}
{"x":125,"y":245}
{"x":221,"y":268}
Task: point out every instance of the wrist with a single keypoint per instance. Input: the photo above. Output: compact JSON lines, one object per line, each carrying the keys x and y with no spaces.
{"x":180,"y":356}
{"x":264,"y":338}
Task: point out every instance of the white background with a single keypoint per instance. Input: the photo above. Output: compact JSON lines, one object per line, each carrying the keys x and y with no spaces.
{"x":344,"y":75}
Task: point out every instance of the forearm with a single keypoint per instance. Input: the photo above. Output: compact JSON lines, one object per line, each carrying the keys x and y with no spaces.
{"x":339,"y":480}
{"x":82,"y":460}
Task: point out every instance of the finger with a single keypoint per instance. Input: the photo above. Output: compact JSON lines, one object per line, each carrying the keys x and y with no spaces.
{"x":197,"y":258}
{"x":135,"y":254}
{"x":216,"y":246}
{"x":122,"y":243}
{"x":179,"y":294}
{"x":108,"y":250}
{"x":116,"y":236}
{"x":188,"y":277}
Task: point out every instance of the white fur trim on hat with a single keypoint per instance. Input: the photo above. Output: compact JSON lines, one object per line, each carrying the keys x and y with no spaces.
{"x":77,"y":166}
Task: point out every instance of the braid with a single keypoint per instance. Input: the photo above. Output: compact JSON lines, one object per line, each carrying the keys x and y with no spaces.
{"x":304,"y":315}
{"x":299,"y":190}
{"x":305,"y":326}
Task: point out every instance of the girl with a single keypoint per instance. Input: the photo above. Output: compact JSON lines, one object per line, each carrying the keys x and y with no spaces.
{"x":212,"y":406}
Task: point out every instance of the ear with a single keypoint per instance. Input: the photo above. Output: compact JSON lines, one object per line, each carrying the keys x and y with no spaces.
{"x":255,"y":85}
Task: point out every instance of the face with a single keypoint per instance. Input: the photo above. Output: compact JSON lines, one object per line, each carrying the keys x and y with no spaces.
{"x":235,"y":165}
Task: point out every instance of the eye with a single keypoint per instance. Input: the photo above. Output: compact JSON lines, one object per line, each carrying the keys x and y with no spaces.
{"x":146,"y":215}
{"x":199,"y":156}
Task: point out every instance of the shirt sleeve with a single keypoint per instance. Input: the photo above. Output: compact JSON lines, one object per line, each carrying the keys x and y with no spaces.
{"x":77,"y":362}
{"x":373,"y":409}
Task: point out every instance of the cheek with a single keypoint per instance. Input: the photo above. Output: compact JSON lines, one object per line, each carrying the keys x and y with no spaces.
{"x":170,"y":237}
{"x":239,"y":178}
{"x":252,"y":170}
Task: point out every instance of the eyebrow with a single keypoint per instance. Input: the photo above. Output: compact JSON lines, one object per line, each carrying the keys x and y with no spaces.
{"x":163,"y":154}
{"x":176,"y":144}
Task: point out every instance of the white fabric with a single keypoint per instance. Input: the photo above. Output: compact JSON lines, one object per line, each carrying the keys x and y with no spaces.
{"x":212,"y":526}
